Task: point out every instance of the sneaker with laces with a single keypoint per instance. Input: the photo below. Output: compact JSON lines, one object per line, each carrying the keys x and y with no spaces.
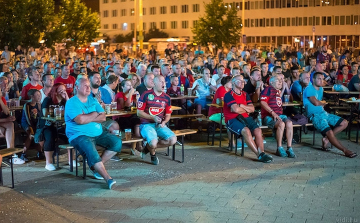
{"x":290,"y":153}
{"x":17,"y":161}
{"x":111,"y":183}
{"x":281,"y":152}
{"x":50,"y":167}
{"x":144,"y":152}
{"x":265,"y":158}
{"x":24,"y":157}
{"x":96,"y":175}
{"x":154,"y":160}
{"x":115,"y":158}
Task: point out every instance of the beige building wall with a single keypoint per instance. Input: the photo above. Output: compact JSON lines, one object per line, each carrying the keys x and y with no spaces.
{"x":333,"y":20}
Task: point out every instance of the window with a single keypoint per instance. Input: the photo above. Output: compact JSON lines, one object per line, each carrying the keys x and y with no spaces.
{"x":105,"y":1}
{"x":305,"y":21}
{"x":132,"y":12}
{"x":293,"y":21}
{"x":115,"y":26}
{"x":342,"y":20}
{"x":323,"y":22}
{"x":337,"y":21}
{"x":185,"y":24}
{"x":287,"y":21}
{"x":144,"y":26}
{"x":310,"y":21}
{"x":317,"y":2}
{"x":272,"y":4}
{"x":162,"y":25}
{"x":272,"y":22}
{"x":152,"y":25}
{"x":152,"y":11}
{"x":163,"y":10}
{"x":261,"y":5}
{"x":318,"y":21}
{"x":184,"y":8}
{"x":329,"y":21}
{"x":122,"y":0}
{"x":301,"y":3}
{"x":337,"y":2}
{"x":256,"y":5}
{"x":123,"y":12}
{"x":283,"y":22}
{"x":114,"y":13}
{"x":256,"y":22}
{"x":114,"y":1}
{"x":132,"y":26}
{"x":173,"y":24}
{"x":252,"y":5}
{"x":124,"y":26}
{"x":144,"y":11}
{"x":195,"y":22}
{"x":311,"y":3}
{"x":277,"y":4}
{"x":106,"y":26}
{"x":252,"y":23}
{"x":173,"y":9}
{"x":356,"y":19}
{"x":348,"y":20}
{"x":196,"y":8}
{"x":106,"y":13}
{"x":267,"y":24}
{"x":300,"y":21}
{"x":277,"y":22}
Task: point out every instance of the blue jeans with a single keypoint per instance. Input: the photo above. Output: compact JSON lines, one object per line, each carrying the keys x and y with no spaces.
{"x":87,"y":146}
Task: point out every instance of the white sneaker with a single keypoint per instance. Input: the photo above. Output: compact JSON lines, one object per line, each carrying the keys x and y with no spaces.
{"x":50,"y":167}
{"x":75,"y":163}
{"x":17,"y":161}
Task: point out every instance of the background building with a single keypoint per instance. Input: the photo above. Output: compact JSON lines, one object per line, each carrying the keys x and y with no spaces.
{"x":275,"y":22}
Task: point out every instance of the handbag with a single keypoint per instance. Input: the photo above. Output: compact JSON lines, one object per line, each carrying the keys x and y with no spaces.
{"x":298,"y":119}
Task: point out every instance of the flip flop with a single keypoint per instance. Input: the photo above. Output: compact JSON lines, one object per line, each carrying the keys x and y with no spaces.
{"x":324,"y":149}
{"x":352,"y":155}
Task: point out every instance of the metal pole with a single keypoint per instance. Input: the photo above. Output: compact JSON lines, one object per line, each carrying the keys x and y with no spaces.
{"x":243,"y":21}
{"x":135,"y":18}
{"x":141,"y":38}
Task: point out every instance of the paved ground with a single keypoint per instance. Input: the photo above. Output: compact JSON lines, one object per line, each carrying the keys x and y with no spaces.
{"x":213,"y":185}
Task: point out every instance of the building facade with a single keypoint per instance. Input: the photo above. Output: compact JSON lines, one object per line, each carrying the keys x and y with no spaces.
{"x":267,"y":22}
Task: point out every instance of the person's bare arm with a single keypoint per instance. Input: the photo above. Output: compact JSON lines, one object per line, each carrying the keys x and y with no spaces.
{"x":357,"y":86}
{"x":265,"y":106}
{"x":166,"y":120}
{"x":142,"y":114}
{"x":91,"y":117}
{"x":242,"y":108}
{"x":316,"y":102}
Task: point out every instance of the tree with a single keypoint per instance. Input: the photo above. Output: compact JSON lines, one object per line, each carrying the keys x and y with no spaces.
{"x":78,"y":24}
{"x":219,"y":26}
{"x":24,"y":22}
{"x":155,"y":33}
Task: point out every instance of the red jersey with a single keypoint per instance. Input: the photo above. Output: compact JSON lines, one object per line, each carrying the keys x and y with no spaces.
{"x":341,"y":78}
{"x":69,"y":84}
{"x":230,"y":98}
{"x":123,"y":96}
{"x":154,"y":105}
{"x":220,"y":93}
{"x":26,"y":88}
{"x":4,"y":101}
{"x":273,"y":98}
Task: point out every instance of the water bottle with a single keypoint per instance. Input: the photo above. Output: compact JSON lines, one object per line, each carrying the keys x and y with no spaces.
{"x":182,"y":90}
{"x":259,"y":121}
{"x":7,"y":96}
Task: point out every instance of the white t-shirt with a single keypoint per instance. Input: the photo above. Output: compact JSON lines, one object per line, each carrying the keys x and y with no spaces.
{"x":43,"y":96}
{"x":214,"y":79}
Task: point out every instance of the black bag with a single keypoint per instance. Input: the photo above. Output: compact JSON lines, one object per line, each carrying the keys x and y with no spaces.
{"x":298,"y":119}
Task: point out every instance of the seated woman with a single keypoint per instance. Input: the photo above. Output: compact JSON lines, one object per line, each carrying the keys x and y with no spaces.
{"x":6,"y":120}
{"x":126,"y":99}
{"x":202,"y":89}
{"x":30,"y":116}
{"x":135,"y":80}
{"x":174,"y":91}
{"x":47,"y":130}
{"x":12,"y":86}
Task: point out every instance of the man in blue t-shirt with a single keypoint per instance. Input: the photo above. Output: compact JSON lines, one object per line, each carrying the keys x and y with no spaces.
{"x":328,"y":124}
{"x":83,"y":118}
{"x":298,"y":86}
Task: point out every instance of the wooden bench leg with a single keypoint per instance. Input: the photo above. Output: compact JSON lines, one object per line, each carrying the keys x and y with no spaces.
{"x":71,"y":161}
{"x":168,"y":151}
{"x":173,"y":152}
{"x":76,"y":167}
{"x":242,"y":146}
{"x":84,"y":168}
{"x":231,"y":141}
{"x":314,"y":136}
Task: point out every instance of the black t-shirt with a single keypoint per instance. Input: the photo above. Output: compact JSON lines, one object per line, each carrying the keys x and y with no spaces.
{"x":46,"y":104}
{"x":249,"y":88}
{"x":278,"y":55}
{"x":74,"y":75}
{"x":12,"y":91}
{"x":141,"y":88}
{"x":264,"y":78}
{"x":123,"y":75}
{"x":287,"y":73}
{"x":168,"y":52}
{"x":118,"y":50}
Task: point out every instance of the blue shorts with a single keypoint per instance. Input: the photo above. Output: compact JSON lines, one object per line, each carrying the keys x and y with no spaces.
{"x":324,"y":121}
{"x":87,"y":146}
{"x":270,"y":122}
{"x":153,"y":131}
{"x":235,"y":126}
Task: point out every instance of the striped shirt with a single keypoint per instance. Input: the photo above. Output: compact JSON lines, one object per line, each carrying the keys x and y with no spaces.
{"x":273,"y":98}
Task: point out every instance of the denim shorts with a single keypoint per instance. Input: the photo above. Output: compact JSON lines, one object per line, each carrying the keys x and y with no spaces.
{"x":87,"y":146}
{"x":152,"y":131}
{"x":270,"y":122}
{"x":235,"y":126}
{"x":322,"y":121}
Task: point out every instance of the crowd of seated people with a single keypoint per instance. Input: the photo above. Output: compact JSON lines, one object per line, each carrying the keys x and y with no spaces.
{"x":242,"y":81}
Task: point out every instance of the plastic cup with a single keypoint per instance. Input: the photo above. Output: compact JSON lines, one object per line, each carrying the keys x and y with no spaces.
{"x":57,"y":112}
{"x":107,"y":109}
{"x":286,"y":98}
{"x":127,"y":134}
{"x":113,"y":106}
{"x":189,"y":90}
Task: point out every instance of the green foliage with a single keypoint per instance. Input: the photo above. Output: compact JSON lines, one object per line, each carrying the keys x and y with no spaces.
{"x":155,"y":33}
{"x":220,"y":25}
{"x":78,"y":24}
{"x":152,"y":33}
{"x":24,"y":22}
